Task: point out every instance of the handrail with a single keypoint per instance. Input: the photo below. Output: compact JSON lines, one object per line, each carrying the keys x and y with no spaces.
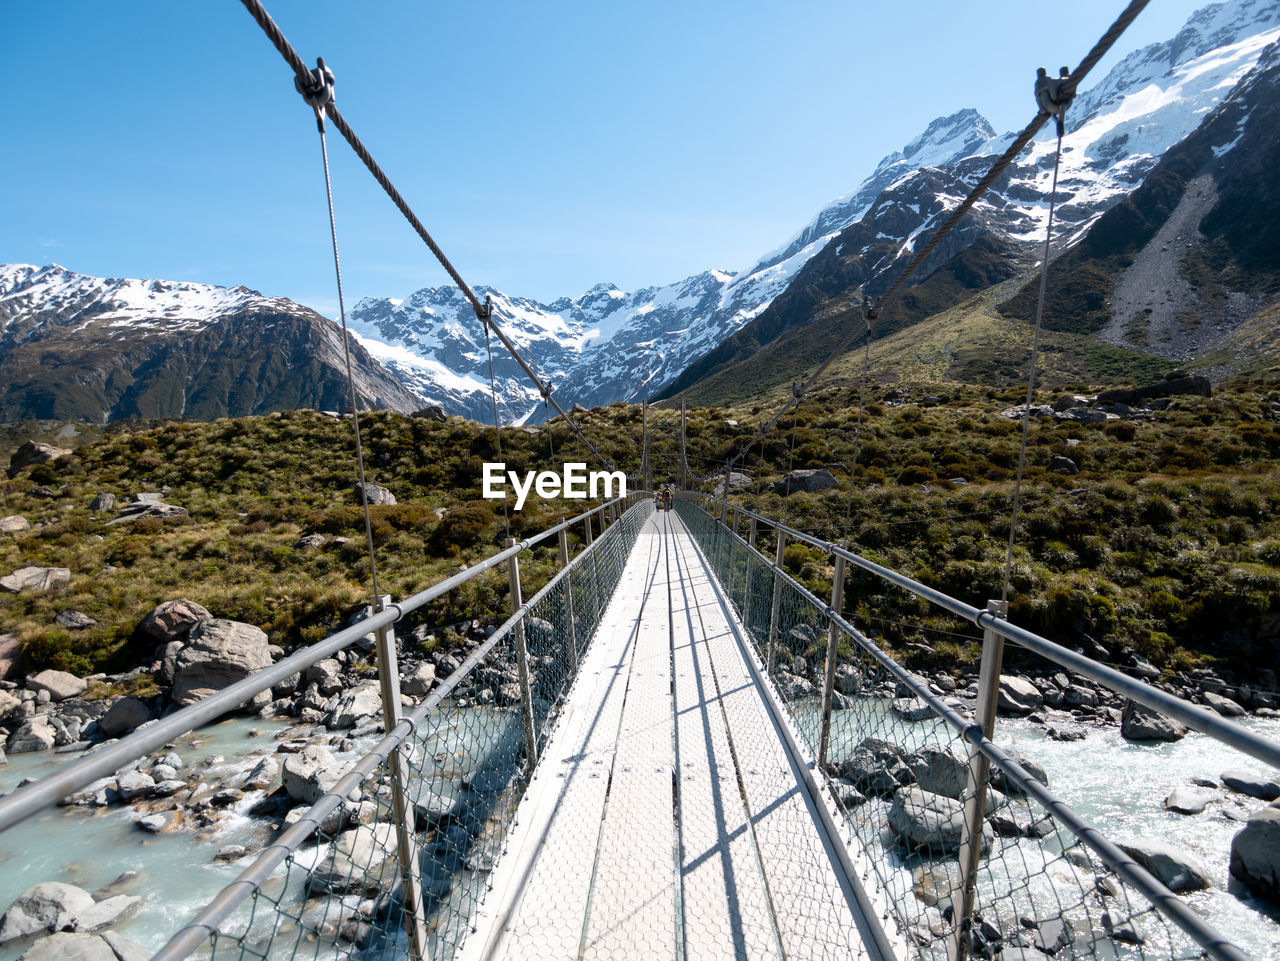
{"x":1165,"y":901}
{"x":106,"y":759}
{"x":188,"y":938}
{"x":1198,"y":718}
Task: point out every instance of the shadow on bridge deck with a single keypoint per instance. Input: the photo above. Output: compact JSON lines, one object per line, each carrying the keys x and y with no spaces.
{"x":668,"y":817}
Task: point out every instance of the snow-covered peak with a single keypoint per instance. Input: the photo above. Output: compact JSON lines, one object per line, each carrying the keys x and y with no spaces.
{"x":126,"y":301}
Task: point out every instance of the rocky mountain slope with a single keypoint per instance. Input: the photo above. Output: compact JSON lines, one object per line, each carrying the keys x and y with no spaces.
{"x":1116,"y":134}
{"x":1184,"y":262}
{"x":74,"y":347}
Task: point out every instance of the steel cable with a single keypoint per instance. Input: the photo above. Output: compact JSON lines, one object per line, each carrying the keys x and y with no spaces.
{"x":1099,"y":50}
{"x":483,"y":310}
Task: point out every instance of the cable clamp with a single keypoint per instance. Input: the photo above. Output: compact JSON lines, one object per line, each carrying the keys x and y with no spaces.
{"x":316,"y":87}
{"x":485,"y":311}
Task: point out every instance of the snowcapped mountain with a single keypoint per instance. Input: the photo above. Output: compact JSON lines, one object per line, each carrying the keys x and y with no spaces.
{"x":1117,"y":131}
{"x":79,"y":347}
{"x":610,"y":345}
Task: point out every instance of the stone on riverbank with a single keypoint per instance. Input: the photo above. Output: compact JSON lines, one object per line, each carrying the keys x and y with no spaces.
{"x":1017,"y":696}
{"x":355,"y":862}
{"x":218,"y":653}
{"x":1255,"y":854}
{"x":921,"y":820}
{"x":1138,"y":723}
{"x":1172,"y":866}
{"x":52,"y":906}
{"x":1253,"y":785}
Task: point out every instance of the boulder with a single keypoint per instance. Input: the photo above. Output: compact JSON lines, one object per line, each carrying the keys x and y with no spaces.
{"x":10,"y":656}
{"x":418,"y":683}
{"x":308,"y":542}
{"x":431,"y":412}
{"x":59,"y":684}
{"x":1255,"y":854}
{"x":1254,"y":785}
{"x":362,"y":701}
{"x":36,"y":579}
{"x":147,"y":508}
{"x":135,"y":784}
{"x":311,"y":774}
{"x":923,"y":820}
{"x":217,"y":654}
{"x":1172,"y":866}
{"x":123,"y":716}
{"x":877,"y":767}
{"x":173,"y":620}
{"x":52,"y":906}
{"x":810,"y":481}
{"x":167,"y":661}
{"x":1171,"y":386}
{"x":1033,"y":767}
{"x":737,"y":482}
{"x":34,"y":735}
{"x":912,"y":708}
{"x":1064,"y":465}
{"x":376,"y":496}
{"x":263,"y":774}
{"x":354,"y":864}
{"x":939,"y":772}
{"x":32,"y":453}
{"x":106,"y":913}
{"x":1017,"y":696}
{"x":1186,"y":801}
{"x":1223,"y":705}
{"x":107,"y":946}
{"x":73,"y":620}
{"x":1138,"y":723}
{"x":14,"y":524}
{"x":103,"y":502}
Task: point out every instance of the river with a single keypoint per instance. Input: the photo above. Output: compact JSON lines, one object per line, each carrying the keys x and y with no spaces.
{"x":1117,"y":785}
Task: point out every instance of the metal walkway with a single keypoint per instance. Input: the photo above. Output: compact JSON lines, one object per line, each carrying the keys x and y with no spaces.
{"x":667,"y":818}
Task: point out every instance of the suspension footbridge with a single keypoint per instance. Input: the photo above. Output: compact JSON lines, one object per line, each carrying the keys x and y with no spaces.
{"x":674,"y":749}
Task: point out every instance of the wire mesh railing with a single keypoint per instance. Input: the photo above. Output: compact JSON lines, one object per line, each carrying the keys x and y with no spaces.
{"x":393,"y":860}
{"x":1026,"y":877}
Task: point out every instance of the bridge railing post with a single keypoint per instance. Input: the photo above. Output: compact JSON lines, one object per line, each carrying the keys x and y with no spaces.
{"x":833,"y":646}
{"x":522,"y":663}
{"x":568,"y":595}
{"x":775,"y":607}
{"x":415,"y":918}
{"x":975,"y":794}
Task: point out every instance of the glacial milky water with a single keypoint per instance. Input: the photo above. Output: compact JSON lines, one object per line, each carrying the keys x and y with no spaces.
{"x":1116,"y":785}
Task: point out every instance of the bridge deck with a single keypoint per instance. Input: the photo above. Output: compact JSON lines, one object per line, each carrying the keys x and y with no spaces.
{"x":666,"y":819}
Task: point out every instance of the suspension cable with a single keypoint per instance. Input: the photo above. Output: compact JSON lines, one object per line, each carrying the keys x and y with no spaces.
{"x":1068,"y":90}
{"x":483,"y":309}
{"x":497,"y":425}
{"x":1031,"y":376}
{"x":322,"y":87}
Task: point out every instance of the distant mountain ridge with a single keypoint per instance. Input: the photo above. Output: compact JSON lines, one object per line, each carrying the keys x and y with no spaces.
{"x":74,"y":347}
{"x":1116,"y":134}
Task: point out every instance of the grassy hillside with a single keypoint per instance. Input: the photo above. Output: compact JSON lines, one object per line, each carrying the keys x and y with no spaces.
{"x":1166,"y":542}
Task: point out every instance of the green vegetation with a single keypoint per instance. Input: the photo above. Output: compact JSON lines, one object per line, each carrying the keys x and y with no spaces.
{"x":1166,"y":542}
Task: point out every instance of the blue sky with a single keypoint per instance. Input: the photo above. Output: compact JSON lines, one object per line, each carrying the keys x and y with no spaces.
{"x":547,"y":146}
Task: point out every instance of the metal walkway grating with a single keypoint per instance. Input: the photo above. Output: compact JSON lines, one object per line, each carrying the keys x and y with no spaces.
{"x":666,"y":819}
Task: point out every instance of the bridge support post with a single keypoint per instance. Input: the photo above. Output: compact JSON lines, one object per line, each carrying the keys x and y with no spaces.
{"x":833,"y":646}
{"x":415,"y":918}
{"x":975,"y":794}
{"x":568,"y":595}
{"x":775,"y":608}
{"x":751,"y":537}
{"x":522,"y":664}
